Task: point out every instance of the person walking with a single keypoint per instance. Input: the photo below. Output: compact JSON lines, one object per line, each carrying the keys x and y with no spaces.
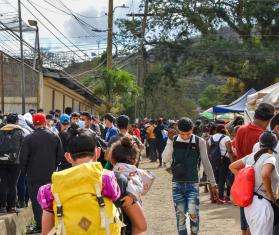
{"x":220,"y":161}
{"x":151,"y":141}
{"x":160,"y":141}
{"x":95,"y":126}
{"x":40,"y":156}
{"x":260,"y":214}
{"x":64,"y":135}
{"x":22,"y":190}
{"x":184,"y":153}
{"x":11,"y":138}
{"x":274,"y":126}
{"x":246,"y":137}
{"x":111,"y":129}
{"x":50,"y":124}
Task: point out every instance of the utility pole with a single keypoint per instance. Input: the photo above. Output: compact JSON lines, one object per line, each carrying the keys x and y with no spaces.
{"x":142,"y":65}
{"x":22,"y":59}
{"x":98,"y":42}
{"x":141,"y":61}
{"x":2,"y":83}
{"x":110,"y":34}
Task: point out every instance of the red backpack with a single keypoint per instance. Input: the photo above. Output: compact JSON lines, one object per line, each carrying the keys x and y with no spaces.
{"x":242,"y":191}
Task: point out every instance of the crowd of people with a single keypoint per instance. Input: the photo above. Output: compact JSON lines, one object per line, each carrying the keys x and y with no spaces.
{"x":59,"y":160}
{"x":36,"y":147}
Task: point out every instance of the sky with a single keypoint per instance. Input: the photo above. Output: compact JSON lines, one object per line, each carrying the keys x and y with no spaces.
{"x":79,"y":35}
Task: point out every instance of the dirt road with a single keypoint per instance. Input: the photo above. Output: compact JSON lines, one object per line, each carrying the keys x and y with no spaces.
{"x":215,"y":219}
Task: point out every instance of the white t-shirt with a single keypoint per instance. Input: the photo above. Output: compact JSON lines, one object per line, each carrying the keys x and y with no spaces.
{"x":223,"y":142}
{"x":256,"y":148}
{"x":264,"y":159}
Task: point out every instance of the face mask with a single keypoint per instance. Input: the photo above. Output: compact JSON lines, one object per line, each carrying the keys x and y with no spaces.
{"x":81,"y":124}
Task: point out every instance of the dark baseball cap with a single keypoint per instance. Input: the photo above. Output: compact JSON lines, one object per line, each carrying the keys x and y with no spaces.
{"x":268,"y":140}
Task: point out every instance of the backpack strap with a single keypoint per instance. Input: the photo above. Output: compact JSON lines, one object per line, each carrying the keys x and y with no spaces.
{"x":175,"y":139}
{"x":104,"y":221}
{"x":197,"y":143}
{"x":222,"y":137}
{"x":60,"y":229}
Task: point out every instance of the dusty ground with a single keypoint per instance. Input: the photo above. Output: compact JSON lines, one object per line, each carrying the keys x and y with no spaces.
{"x":215,"y":219}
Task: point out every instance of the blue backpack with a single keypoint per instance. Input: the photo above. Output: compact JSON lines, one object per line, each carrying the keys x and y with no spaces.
{"x":214,"y":154}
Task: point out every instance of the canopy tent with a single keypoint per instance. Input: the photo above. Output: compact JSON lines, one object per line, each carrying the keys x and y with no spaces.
{"x":208,"y":114}
{"x":267,"y":95}
{"x":238,"y":106}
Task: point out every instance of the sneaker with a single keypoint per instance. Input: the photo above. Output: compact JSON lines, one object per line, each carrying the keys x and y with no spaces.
{"x":33,"y":229}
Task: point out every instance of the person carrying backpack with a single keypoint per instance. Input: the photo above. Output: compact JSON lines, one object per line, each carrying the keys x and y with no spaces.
{"x":133,"y":183}
{"x":80,"y":199}
{"x":259,"y":214}
{"x":41,"y":153}
{"x":220,"y":156}
{"x":122,"y":123}
{"x":185,"y":152}
{"x":11,"y":138}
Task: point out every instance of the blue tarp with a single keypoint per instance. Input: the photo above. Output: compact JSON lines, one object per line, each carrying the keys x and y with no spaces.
{"x":237,"y":106}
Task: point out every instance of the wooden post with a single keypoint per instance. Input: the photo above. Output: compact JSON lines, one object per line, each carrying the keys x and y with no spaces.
{"x":110,"y":34}
{"x":53,"y":99}
{"x":2,"y":83}
{"x":63,"y":103}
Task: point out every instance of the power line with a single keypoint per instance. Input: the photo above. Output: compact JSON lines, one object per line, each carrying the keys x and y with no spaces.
{"x":55,"y":27}
{"x":80,"y":20}
{"x":49,"y":30}
{"x":13,"y":34}
{"x":84,"y":25}
{"x":66,"y":13}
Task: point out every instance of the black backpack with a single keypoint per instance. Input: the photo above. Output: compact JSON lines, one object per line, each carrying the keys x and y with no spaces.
{"x":10,"y":144}
{"x":215,"y":152}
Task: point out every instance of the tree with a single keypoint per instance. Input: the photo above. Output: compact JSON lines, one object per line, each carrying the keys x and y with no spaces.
{"x":116,"y":87}
{"x":210,"y":97}
{"x":195,"y":40}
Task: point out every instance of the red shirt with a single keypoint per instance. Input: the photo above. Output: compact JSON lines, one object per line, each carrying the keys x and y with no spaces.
{"x":136,"y":132}
{"x":246,"y":137}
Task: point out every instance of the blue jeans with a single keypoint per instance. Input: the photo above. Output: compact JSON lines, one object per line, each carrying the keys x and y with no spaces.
{"x":186,"y":201}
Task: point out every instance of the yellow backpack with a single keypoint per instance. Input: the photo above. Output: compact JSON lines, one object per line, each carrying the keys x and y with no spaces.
{"x":79,"y":207}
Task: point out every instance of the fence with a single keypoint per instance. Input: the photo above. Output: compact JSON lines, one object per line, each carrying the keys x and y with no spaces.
{"x":10,"y":85}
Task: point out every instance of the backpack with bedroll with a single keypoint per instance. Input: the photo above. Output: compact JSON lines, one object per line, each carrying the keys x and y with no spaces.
{"x":79,"y":207}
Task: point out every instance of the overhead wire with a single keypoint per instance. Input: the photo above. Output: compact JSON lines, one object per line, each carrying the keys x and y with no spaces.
{"x":49,"y":29}
{"x":16,"y":36}
{"x":76,"y":13}
{"x":55,"y":28}
{"x":80,"y":20}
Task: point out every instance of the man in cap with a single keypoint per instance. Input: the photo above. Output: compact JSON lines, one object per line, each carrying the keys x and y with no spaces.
{"x":246,"y":137}
{"x":40,"y":155}
{"x":64,"y":135}
{"x":65,"y":122}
